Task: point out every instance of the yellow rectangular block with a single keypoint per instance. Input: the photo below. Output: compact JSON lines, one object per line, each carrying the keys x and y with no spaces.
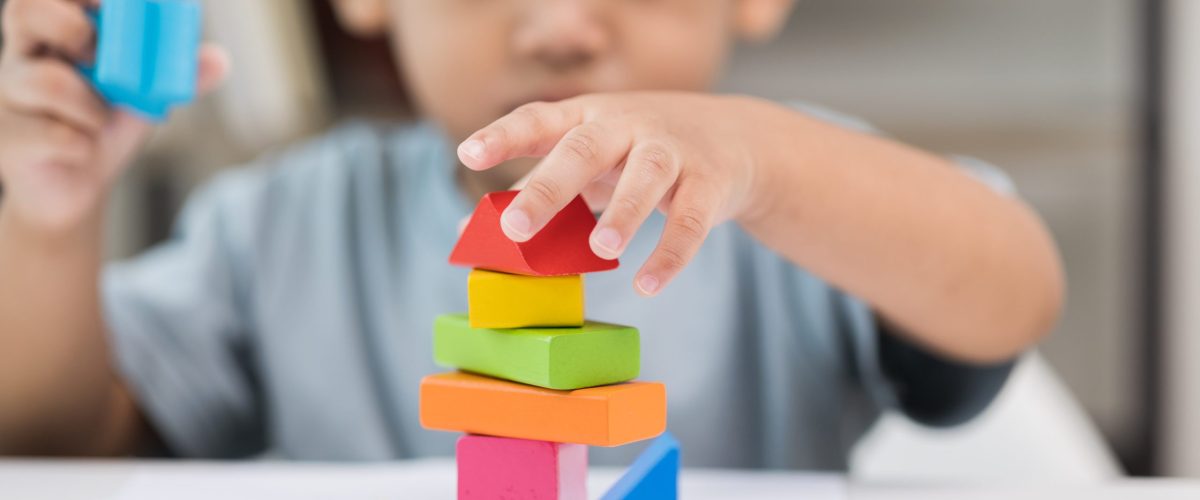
{"x":500,"y":300}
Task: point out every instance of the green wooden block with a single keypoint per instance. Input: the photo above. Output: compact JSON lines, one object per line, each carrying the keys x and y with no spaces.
{"x":554,"y":358}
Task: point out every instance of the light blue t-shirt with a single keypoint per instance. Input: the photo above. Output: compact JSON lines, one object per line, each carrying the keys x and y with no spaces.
{"x":292,"y":313}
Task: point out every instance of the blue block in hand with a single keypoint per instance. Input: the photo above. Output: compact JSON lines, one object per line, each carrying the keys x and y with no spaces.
{"x":146,"y":54}
{"x":654,"y":475}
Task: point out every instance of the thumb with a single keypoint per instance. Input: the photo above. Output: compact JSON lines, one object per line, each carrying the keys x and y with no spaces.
{"x":213,"y":67}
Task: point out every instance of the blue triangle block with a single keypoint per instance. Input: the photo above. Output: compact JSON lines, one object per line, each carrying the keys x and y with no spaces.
{"x":654,"y":475}
{"x":146,"y":54}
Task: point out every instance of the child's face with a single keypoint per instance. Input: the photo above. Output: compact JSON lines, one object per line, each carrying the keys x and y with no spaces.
{"x":468,"y":62}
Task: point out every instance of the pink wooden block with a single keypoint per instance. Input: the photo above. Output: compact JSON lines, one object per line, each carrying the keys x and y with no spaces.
{"x":505,"y":468}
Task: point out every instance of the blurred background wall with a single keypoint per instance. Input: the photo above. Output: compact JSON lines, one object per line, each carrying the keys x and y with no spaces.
{"x":1047,"y":89}
{"x":1181,"y":154}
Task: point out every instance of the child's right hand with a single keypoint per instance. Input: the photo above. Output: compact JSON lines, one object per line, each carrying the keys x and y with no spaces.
{"x":61,"y":145}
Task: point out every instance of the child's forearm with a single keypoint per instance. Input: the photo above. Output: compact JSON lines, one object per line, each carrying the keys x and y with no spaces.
{"x":58,"y":392}
{"x":963,"y":270}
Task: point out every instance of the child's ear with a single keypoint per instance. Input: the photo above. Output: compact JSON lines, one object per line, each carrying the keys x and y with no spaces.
{"x":761,"y":20}
{"x":367,"y":18}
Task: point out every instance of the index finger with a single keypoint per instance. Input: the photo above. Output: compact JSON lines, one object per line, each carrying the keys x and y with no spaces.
{"x":62,"y":26}
{"x":585,"y":153}
{"x":530,"y":130}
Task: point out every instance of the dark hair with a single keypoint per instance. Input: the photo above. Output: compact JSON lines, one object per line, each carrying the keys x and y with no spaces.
{"x":362,"y":74}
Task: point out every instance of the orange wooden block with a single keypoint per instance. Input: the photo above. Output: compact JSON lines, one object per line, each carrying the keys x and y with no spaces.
{"x":610,"y":415}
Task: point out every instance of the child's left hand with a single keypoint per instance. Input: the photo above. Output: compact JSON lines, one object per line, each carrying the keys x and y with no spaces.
{"x":693,"y":156}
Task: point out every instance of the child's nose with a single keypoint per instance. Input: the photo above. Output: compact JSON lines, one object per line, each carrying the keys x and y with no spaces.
{"x":563,"y":35}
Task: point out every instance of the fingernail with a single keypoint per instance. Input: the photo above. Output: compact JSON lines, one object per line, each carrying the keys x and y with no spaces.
{"x":648,"y":284}
{"x":473,"y":149}
{"x":608,"y":241}
{"x":516,"y":221}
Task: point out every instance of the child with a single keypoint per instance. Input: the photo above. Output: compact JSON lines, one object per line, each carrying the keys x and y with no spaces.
{"x":842,"y":274}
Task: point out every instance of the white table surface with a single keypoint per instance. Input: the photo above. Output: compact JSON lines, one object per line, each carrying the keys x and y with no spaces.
{"x":434,"y":479}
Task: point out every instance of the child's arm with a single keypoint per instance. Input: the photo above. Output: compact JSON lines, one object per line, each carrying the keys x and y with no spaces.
{"x":960,"y":268}
{"x":941,"y":256}
{"x":58,"y":392}
{"x":60,"y":150}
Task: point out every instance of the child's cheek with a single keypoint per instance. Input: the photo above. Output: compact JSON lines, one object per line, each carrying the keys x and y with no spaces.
{"x":453,"y":69}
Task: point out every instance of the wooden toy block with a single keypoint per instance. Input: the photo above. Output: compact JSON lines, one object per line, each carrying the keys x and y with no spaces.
{"x":611,"y":415}
{"x":554,"y":358}
{"x":502,"y":300}
{"x":560,"y":248}
{"x":146,"y":54}
{"x":497,"y":467}
{"x":653,"y":476}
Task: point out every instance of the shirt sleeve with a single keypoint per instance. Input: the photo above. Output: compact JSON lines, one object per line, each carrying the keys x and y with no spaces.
{"x":935,"y":391}
{"x":926,"y":387}
{"x":180,"y":328}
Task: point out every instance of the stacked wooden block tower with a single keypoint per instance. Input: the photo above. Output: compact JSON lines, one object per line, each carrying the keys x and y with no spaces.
{"x":537,"y":382}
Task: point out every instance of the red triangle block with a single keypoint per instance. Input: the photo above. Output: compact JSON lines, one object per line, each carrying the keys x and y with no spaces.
{"x":560,"y":248}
